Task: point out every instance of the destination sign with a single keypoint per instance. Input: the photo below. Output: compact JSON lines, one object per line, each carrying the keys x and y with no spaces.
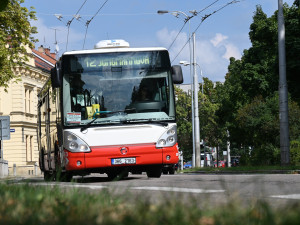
{"x":122,"y":60}
{"x":94,"y":62}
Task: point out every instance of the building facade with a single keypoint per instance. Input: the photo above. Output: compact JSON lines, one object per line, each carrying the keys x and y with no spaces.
{"x":20,"y":103}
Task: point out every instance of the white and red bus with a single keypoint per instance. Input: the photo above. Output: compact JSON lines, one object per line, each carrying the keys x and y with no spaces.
{"x":109,"y":110}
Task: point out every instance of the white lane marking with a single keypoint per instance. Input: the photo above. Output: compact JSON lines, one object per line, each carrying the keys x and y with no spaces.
{"x":176,"y":189}
{"x":94,"y":187}
{"x":291,"y":196}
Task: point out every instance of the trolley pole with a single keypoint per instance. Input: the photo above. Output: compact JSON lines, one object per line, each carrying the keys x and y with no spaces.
{"x":196,"y":111}
{"x":283,"y":91}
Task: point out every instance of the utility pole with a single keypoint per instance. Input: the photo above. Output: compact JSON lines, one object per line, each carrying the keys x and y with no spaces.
{"x":283,"y":91}
{"x":196,"y":112}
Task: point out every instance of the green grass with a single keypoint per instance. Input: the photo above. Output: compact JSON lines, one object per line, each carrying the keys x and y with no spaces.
{"x":248,"y":169}
{"x":24,"y":204}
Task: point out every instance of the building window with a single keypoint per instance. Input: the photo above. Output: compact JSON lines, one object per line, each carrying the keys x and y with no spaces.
{"x":29,"y":148}
{"x":28,"y":99}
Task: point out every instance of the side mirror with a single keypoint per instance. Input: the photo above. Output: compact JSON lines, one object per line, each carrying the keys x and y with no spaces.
{"x":177,"y":74}
{"x":56,"y":76}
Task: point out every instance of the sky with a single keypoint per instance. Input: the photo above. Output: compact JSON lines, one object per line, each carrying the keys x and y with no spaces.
{"x":222,"y":35}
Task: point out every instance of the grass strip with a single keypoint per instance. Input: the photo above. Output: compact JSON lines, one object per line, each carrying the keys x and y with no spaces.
{"x":247,"y":169}
{"x":29,"y":205}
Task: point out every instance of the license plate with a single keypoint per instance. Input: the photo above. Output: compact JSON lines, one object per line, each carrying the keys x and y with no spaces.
{"x":121,"y":161}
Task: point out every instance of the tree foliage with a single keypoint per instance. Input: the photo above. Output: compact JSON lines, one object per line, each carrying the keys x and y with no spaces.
{"x":184,"y":123}
{"x":3,"y":4}
{"x":254,"y":77}
{"x":247,"y":104}
{"x":15,"y":36}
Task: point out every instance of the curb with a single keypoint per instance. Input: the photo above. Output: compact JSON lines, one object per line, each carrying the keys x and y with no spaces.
{"x":246,"y":172}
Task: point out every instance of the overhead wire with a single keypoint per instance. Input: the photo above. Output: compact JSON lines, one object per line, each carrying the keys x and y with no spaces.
{"x":202,"y":20}
{"x":188,"y":18}
{"x":70,"y":21}
{"x":89,"y":21}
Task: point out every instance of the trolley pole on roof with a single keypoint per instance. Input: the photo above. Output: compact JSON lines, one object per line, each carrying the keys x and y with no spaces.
{"x":283,"y":91}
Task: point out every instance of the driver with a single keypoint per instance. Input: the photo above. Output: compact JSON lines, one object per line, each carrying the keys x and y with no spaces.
{"x":144,"y":94}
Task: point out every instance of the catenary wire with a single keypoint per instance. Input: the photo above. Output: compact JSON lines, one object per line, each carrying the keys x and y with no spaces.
{"x":89,"y":21}
{"x":70,"y":21}
{"x":202,"y":20}
{"x":188,"y":18}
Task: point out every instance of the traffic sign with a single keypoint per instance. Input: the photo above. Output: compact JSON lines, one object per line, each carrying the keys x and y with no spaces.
{"x":4,"y":127}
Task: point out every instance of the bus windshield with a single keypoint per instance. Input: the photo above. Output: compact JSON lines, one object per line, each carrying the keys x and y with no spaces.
{"x":117,"y":87}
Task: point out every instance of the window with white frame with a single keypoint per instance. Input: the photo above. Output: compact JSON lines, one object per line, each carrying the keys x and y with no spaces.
{"x":28,"y":99}
{"x":29,"y":148}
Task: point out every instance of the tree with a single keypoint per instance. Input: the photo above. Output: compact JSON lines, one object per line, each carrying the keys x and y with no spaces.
{"x":212,"y":131}
{"x":184,"y":123}
{"x":258,"y":124}
{"x":255,"y":75}
{"x":15,"y":36}
{"x":3,"y":4}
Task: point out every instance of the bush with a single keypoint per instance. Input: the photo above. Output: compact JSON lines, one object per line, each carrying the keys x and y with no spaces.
{"x":295,"y":152}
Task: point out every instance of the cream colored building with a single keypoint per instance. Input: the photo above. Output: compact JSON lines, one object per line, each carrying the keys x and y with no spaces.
{"x":20,"y":103}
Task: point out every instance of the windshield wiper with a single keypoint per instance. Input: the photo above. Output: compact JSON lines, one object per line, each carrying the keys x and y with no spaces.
{"x":144,"y":121}
{"x":87,"y":125}
{"x":119,"y":112}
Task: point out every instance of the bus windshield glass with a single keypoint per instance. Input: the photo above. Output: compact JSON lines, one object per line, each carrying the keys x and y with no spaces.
{"x":117,"y":87}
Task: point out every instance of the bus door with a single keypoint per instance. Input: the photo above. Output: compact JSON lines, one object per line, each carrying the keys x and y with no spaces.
{"x":44,"y":134}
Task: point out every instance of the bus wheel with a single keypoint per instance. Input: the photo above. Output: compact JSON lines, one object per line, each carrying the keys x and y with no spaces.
{"x":112,"y":175}
{"x":41,"y":159}
{"x":156,"y":173}
{"x":48,"y":176}
{"x":172,"y":171}
{"x":67,"y":177}
{"x":165,"y":171}
{"x":124,"y":174}
{"x":64,"y":176}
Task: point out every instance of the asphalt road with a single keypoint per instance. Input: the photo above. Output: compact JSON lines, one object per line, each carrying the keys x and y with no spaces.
{"x":199,"y":189}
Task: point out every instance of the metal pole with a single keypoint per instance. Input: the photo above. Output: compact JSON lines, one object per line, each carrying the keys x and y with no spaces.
{"x":196,"y":119}
{"x":228,"y":150}
{"x":192,"y":95}
{"x":283,"y":92}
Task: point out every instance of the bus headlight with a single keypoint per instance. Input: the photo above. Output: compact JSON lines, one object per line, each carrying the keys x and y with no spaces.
{"x":74,"y":143}
{"x":168,"y":139}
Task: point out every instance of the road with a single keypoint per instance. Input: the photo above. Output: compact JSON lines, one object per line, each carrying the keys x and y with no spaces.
{"x":199,"y":189}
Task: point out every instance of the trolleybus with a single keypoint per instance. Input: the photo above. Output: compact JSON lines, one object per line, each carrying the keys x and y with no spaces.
{"x":109,"y":110}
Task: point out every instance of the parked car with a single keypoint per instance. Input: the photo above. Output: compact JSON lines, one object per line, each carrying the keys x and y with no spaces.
{"x":220,"y":164}
{"x":187,"y":165}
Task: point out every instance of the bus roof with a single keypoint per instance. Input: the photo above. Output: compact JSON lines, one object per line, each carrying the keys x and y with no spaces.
{"x":109,"y":50}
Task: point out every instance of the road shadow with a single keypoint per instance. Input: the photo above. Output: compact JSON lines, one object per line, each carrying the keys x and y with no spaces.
{"x":91,"y":179}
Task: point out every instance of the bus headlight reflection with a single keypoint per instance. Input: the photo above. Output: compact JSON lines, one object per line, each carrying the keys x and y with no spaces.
{"x":168,"y":139}
{"x":74,"y":143}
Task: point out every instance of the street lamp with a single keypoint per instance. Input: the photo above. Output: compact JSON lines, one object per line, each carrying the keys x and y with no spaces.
{"x":187,"y":19}
{"x":196,"y":121}
{"x":186,"y":63}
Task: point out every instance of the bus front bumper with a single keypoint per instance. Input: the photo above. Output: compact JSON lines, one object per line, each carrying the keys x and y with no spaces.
{"x":102,"y":157}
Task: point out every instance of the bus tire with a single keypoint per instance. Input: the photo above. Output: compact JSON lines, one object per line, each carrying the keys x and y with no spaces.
{"x":172,"y":170}
{"x":63,"y":176}
{"x":66,"y":177}
{"x":154,"y":173}
{"x":41,"y":160}
{"x":112,"y":175}
{"x":48,"y":176}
